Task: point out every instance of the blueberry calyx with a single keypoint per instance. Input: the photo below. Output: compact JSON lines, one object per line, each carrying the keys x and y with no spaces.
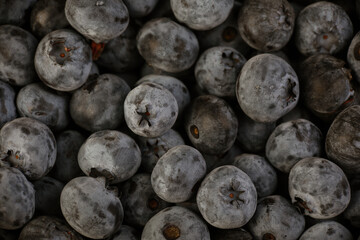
{"x":229,"y":34}
{"x":171,"y":232}
{"x":194,"y":131}
{"x":268,"y":236}
{"x":144,"y":117}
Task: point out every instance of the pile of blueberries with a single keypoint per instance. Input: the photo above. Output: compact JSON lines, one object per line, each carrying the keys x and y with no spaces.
{"x":180,"y":119}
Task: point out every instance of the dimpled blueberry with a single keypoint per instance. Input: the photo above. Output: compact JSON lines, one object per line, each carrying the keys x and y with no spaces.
{"x":7,"y":103}
{"x":276,"y":218}
{"x":17,"y":199}
{"x":150,"y":110}
{"x":175,"y":223}
{"x":177,"y":172}
{"x":217,"y":69}
{"x":48,"y":227}
{"x":90,"y":208}
{"x":227,"y":198}
{"x":140,"y":8}
{"x":319,"y":188}
{"x":211,"y":125}
{"x":37,"y":101}
{"x":260,"y":171}
{"x":98,"y":104}
{"x":292,"y":141}
{"x":30,"y":146}
{"x":266,"y":25}
{"x":166,"y":45}
{"x":63,"y":60}
{"x":126,"y":233}
{"x":201,"y":14}
{"x":98,"y":20}
{"x":329,"y":230}
{"x":316,"y":32}
{"x":267,"y":88}
{"x":17,"y":50}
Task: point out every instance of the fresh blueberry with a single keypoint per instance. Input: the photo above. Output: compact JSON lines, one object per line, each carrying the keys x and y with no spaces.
{"x":140,"y":8}
{"x":329,"y":230}
{"x":231,"y":234}
{"x":353,"y":56}
{"x":7,"y":103}
{"x":126,"y":233}
{"x":15,"y":11}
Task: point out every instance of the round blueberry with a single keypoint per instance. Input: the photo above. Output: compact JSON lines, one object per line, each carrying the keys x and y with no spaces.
{"x":352,"y":212}
{"x":15,"y":11}
{"x":140,"y":8}
{"x":329,"y":230}
{"x":126,"y":233}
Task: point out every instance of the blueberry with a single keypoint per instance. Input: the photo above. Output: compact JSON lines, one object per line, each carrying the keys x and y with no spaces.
{"x":266,"y":25}
{"x":353,"y":56}
{"x":231,"y":234}
{"x":7,"y":103}
{"x":217,"y":69}
{"x":90,"y":208}
{"x":17,"y":50}
{"x":140,"y":8}
{"x":227,"y":198}
{"x":352,"y":212}
{"x":319,"y":188}
{"x":329,"y":230}
{"x":98,"y":104}
{"x":177,"y":172}
{"x":111,"y":154}
{"x":166,"y":45}
{"x":175,"y":223}
{"x":37,"y":101}
{"x":15,"y":11}
{"x":315,"y":31}
{"x":150,"y":110}
{"x":276,"y":218}
{"x":267,"y":88}
{"x":30,"y":146}
{"x":63,"y":60}
{"x":292,"y":141}
{"x":17,"y":199}
{"x":260,"y":171}
{"x":201,"y":14}
{"x":126,"y":233}
{"x":211,"y":125}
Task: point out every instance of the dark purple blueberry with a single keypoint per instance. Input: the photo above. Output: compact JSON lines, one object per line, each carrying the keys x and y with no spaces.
{"x":98,"y":104}
{"x":227,"y":198}
{"x":98,"y":20}
{"x":329,"y":230}
{"x":211,"y":125}
{"x":150,"y":110}
{"x":322,"y":27}
{"x":15,"y":11}
{"x":175,"y":223}
{"x":37,"y":101}
{"x":166,"y":45}
{"x":126,"y":233}
{"x":139,"y":200}
{"x":353,"y":56}
{"x":217,"y":69}
{"x":90,"y":208}
{"x":231,"y":234}
{"x":30,"y":146}
{"x":177,"y":172}
{"x":7,"y":103}
{"x":276,"y":218}
{"x":201,"y":14}
{"x":319,"y":188}
{"x":140,"y":8}
{"x":63,"y":60}
{"x":17,"y":51}
{"x":17,"y":199}
{"x":266,"y":25}
{"x":352,"y":212}
{"x":296,"y":113}
{"x":267,"y":88}
{"x":9,"y":235}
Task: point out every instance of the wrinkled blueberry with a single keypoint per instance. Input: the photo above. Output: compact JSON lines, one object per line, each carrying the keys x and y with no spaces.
{"x":329,"y":230}
{"x":7,"y":103}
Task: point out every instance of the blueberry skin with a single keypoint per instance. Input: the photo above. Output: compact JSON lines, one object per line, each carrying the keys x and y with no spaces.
{"x":276,"y":218}
{"x":231,"y":234}
{"x":17,"y":199}
{"x":211,"y":125}
{"x":18,"y":48}
{"x":30,"y":145}
{"x":353,"y":56}
{"x":266,"y":25}
{"x":315,"y":31}
{"x":37,"y":101}
{"x":97,"y":20}
{"x":111,"y":154}
{"x":98,"y":104}
{"x":91,"y":209}
{"x":292,"y":141}
{"x":341,"y":144}
{"x":175,"y":223}
{"x":201,"y":14}
{"x":7,"y":103}
{"x":126,"y":233}
{"x":319,"y":188}
{"x":329,"y":230}
{"x":217,"y":69}
{"x":150,"y":110}
{"x":260,"y":171}
{"x":140,"y":8}
{"x":227,"y":198}
{"x":177,"y":172}
{"x":166,"y":45}
{"x":63,"y":60}
{"x":267,"y":88}
{"x":15,"y":11}
{"x":352,"y":212}
{"x":48,"y":227}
